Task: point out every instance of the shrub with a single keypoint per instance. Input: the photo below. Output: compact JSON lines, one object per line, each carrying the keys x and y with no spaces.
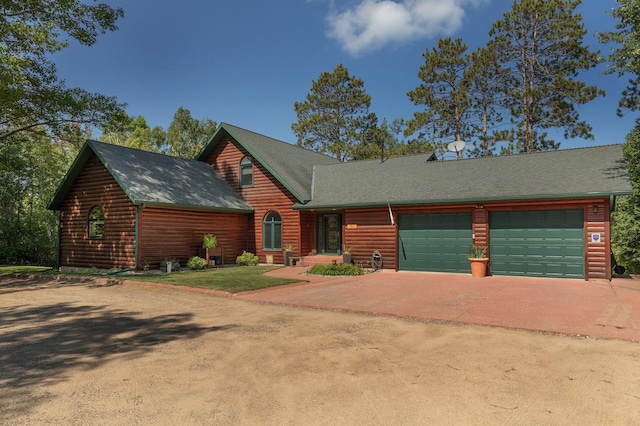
{"x":209,"y":241}
{"x":335,"y":269}
{"x":247,"y":259}
{"x":197,"y":263}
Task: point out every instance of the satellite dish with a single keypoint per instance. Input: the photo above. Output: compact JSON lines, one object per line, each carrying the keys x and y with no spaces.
{"x":456,"y":146}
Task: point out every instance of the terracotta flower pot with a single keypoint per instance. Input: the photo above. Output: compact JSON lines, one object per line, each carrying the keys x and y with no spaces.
{"x":479,"y":266}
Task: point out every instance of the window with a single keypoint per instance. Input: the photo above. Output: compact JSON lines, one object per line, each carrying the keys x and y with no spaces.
{"x":272,"y":232}
{"x":246,"y":172}
{"x":96,"y":222}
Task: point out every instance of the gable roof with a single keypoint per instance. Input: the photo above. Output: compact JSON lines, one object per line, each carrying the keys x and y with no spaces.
{"x":571,"y":173}
{"x":156,"y":179}
{"x":291,"y":165}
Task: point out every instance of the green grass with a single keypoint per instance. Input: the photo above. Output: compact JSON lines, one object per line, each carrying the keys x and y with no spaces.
{"x":233,"y":280}
{"x":7,"y":269}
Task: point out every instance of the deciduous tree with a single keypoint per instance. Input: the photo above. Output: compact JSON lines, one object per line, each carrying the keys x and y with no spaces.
{"x":32,"y":97}
{"x":186,"y":135}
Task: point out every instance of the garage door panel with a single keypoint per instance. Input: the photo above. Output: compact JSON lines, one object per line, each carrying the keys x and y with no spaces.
{"x":436,"y":242}
{"x":537,"y":243}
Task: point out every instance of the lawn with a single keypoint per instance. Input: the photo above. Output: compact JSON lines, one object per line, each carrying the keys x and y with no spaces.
{"x":10,"y":269}
{"x":232,"y":280}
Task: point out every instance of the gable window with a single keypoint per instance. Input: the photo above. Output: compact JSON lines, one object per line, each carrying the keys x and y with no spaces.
{"x":96,"y":222}
{"x":246,"y":172}
{"x":272,"y":231}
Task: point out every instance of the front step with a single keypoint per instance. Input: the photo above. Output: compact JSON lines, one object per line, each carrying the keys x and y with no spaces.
{"x":321,"y":259}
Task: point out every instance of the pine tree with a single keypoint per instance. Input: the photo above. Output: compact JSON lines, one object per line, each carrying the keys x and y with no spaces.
{"x":540,"y":42}
{"x":335,"y":116}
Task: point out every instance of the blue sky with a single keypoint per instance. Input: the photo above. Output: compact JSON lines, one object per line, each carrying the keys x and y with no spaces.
{"x":246,"y":62}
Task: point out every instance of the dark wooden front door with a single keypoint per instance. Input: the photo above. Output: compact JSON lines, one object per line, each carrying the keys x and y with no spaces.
{"x":328,"y":229}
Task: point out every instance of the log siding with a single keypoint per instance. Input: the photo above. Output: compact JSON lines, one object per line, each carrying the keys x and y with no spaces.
{"x":166,"y":233}
{"x":95,"y":186}
{"x":369,"y":229}
{"x":264,"y":195}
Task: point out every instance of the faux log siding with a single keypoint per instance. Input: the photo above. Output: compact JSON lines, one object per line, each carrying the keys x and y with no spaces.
{"x":307,"y":232}
{"x":480,"y":227}
{"x":172,"y":233}
{"x":373,"y":231}
{"x":598,"y":258}
{"x":95,"y":186}
{"x":264,"y":195}
{"x":370,"y":223}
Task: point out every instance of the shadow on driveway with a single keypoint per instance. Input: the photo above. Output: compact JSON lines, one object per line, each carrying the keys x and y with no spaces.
{"x":41,"y":344}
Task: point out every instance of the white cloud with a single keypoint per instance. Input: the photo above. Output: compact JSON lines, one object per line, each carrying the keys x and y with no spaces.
{"x":372,"y":24}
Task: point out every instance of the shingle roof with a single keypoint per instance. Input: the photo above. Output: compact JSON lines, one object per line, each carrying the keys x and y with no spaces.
{"x":291,"y":165}
{"x":157,"y":179}
{"x":572,"y":173}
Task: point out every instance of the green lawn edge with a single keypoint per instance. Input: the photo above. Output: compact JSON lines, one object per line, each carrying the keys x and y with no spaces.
{"x":231,"y":280}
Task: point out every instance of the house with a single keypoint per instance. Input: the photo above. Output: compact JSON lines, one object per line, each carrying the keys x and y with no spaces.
{"x":539,"y":214}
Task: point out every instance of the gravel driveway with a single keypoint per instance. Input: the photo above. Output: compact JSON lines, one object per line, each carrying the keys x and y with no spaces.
{"x":91,"y":353}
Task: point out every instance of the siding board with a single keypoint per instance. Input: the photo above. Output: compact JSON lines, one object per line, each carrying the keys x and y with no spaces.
{"x":166,"y":233}
{"x":95,"y":186}
{"x":266,"y":194}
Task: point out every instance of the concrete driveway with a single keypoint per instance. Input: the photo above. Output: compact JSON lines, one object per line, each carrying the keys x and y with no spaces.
{"x":599,"y":309}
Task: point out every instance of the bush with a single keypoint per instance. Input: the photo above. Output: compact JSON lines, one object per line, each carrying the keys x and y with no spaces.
{"x":197,"y":263}
{"x":335,"y":269}
{"x":247,"y":259}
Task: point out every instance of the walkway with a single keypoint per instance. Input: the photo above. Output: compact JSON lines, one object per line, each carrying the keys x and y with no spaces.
{"x":587,"y":308}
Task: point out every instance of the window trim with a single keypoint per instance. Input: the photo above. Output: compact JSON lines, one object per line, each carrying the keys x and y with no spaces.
{"x":246,"y":164}
{"x":271,"y":225}
{"x":93,"y":221}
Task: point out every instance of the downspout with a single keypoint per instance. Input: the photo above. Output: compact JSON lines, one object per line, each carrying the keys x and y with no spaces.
{"x":136,"y":245}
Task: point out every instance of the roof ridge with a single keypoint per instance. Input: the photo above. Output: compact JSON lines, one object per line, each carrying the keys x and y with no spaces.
{"x":549,"y":151}
{"x":91,"y":141}
{"x":277,"y":140}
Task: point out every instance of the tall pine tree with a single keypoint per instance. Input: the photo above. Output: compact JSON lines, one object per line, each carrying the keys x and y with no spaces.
{"x":541,"y":43}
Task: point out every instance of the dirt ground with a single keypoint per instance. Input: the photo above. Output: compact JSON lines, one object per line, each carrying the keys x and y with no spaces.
{"x":88,"y":353}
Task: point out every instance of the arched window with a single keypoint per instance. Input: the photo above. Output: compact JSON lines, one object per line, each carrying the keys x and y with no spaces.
{"x":96,"y":222}
{"x":272,"y":231}
{"x":246,"y":172}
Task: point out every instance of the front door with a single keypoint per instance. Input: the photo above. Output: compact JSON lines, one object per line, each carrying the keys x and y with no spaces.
{"x":328,"y":228}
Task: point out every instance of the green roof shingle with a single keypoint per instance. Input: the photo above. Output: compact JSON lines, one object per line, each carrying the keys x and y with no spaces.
{"x":572,"y":173}
{"x":291,"y":165}
{"x":157,"y":179}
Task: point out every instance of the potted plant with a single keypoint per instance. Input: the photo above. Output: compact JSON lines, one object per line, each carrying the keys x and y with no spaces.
{"x":287,"y":254}
{"x":479,"y":260}
{"x":211,"y":252}
{"x":346,"y":255}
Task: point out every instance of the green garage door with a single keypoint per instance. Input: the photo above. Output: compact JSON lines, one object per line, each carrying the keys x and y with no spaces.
{"x":544,"y":243}
{"x":434,"y":242}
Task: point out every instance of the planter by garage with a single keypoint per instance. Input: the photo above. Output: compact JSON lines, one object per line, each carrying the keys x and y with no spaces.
{"x":347,"y":258}
{"x":479,"y":266}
